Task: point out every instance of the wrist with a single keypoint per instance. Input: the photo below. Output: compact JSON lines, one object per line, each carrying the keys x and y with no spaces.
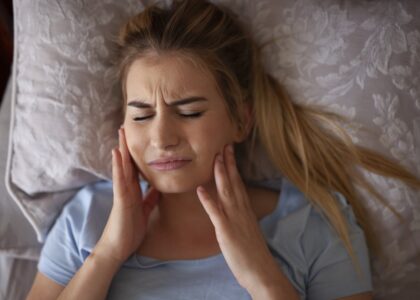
{"x":103,"y":258}
{"x":273,"y":293}
{"x":278,"y":287}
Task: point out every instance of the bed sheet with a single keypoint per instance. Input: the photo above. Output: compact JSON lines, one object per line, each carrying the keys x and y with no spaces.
{"x":16,"y":277}
{"x":16,"y":274}
{"x":17,"y":237}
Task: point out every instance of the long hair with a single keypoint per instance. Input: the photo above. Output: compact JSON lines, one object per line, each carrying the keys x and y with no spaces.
{"x":304,"y":142}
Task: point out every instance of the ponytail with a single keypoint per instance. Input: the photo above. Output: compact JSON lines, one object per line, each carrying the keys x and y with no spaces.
{"x":315,"y":153}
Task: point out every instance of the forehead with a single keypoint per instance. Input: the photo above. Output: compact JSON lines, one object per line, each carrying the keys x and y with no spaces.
{"x":168,"y":75}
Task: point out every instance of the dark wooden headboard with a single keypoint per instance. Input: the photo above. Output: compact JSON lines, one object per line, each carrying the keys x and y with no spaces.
{"x":6,"y":43}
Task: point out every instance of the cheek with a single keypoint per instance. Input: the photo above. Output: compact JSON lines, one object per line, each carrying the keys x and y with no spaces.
{"x":135,"y":146}
{"x":218,"y":133}
{"x":209,"y":142}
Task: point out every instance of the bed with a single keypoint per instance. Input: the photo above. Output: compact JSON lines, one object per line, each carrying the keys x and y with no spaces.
{"x":359,"y":58}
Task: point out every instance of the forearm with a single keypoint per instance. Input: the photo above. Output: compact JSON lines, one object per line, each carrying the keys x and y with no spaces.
{"x":93,"y":279}
{"x":274,"y":293}
{"x":277,"y":287}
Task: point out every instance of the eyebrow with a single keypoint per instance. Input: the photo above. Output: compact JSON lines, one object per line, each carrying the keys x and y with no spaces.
{"x":142,"y":104}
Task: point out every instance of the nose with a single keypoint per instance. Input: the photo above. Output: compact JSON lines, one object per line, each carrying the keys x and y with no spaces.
{"x":165,"y":133}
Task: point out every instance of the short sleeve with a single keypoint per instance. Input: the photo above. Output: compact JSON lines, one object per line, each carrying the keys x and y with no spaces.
{"x":74,"y":233}
{"x":331,"y":272}
{"x":59,"y":258}
{"x":310,"y":253}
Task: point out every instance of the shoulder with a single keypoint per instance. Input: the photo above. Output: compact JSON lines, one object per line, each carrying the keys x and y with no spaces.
{"x":91,"y":194}
{"x":88,"y":195}
{"x":296,"y":216}
{"x":311,"y":253}
{"x":84,"y":216}
{"x":91,"y":203}
{"x":75,"y":232}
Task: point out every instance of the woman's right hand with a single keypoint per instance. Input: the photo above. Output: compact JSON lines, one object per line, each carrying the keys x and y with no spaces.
{"x":127,"y":222}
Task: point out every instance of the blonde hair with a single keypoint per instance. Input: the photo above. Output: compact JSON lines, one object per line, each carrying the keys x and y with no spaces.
{"x":305,"y":143}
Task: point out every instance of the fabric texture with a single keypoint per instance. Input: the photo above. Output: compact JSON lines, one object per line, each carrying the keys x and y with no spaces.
{"x":13,"y":286}
{"x":358,"y":58}
{"x":18,"y":238}
{"x":302,"y":242}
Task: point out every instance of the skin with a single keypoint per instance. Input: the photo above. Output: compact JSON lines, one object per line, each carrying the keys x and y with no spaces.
{"x":207,"y":198}
{"x":165,"y":132}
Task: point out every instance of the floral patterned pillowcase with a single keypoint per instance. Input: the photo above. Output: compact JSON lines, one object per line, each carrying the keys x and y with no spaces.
{"x":361,"y":59}
{"x":66,"y":105}
{"x":358,"y":58}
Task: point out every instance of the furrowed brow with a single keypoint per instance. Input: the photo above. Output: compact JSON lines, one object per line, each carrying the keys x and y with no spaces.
{"x":139,"y":103}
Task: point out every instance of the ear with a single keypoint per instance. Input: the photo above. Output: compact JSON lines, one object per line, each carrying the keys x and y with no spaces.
{"x":248,"y":118}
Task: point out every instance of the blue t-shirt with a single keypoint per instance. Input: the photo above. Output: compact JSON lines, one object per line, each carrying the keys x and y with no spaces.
{"x":303,"y":244}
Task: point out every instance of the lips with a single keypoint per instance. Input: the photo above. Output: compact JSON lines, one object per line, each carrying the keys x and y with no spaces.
{"x":169,"y":165}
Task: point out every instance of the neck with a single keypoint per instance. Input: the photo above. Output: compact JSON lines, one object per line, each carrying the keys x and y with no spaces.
{"x":182,"y":214}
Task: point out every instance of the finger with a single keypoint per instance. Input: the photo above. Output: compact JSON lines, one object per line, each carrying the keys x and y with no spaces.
{"x":151,"y":193}
{"x":223,"y":185}
{"x":126,"y":159}
{"x":117,"y":176}
{"x":140,"y":173}
{"x":235,"y":179}
{"x":136,"y":172}
{"x":215,"y":212}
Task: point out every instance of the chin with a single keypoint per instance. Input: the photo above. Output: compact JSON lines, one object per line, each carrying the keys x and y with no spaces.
{"x":169,"y":187}
{"x":174,"y":185}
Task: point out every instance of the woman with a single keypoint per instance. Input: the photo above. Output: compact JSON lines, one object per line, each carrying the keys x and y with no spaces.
{"x":194,"y":90}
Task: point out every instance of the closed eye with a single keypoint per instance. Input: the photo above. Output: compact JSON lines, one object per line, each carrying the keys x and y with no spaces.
{"x":194,"y":115}
{"x":142,"y":118}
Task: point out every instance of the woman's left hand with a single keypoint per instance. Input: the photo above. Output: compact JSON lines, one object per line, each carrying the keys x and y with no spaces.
{"x":237,"y":229}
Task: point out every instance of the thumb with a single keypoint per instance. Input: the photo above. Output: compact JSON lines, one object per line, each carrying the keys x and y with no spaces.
{"x":117,"y":174}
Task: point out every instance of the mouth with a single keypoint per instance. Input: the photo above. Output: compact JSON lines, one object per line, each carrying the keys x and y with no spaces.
{"x":170,"y":165}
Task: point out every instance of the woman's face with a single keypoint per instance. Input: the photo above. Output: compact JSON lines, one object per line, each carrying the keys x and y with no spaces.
{"x":159,"y":124}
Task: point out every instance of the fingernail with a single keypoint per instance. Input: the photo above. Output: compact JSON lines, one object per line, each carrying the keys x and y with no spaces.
{"x":220,"y":157}
{"x":230,"y":148}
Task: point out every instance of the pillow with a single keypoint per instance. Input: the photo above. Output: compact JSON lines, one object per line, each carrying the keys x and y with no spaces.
{"x":357,"y":58}
{"x":66,"y":108}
